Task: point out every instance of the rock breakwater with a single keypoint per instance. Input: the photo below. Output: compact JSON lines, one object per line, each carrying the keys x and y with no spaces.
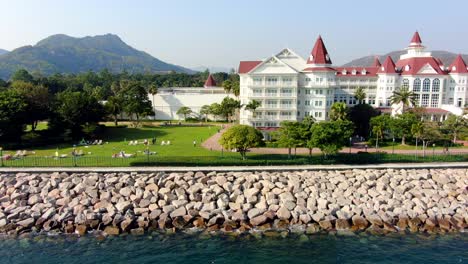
{"x":373,"y":200}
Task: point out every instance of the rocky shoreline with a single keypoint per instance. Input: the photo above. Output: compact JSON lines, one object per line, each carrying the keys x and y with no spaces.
{"x":378,"y":201}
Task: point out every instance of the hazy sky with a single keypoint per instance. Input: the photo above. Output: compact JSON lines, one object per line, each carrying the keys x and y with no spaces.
{"x":220,"y":33}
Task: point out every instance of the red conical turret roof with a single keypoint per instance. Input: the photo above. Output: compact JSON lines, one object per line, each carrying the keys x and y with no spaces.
{"x":210,"y":82}
{"x":458,"y":65}
{"x":376,"y":62}
{"x":388,"y":66}
{"x":319,"y":54}
{"x":416,"y":40}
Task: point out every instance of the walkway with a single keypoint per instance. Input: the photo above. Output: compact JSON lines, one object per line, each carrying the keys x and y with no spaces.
{"x":212,"y":144}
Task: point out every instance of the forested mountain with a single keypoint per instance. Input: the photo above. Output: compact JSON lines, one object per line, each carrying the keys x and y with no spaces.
{"x":2,"y":51}
{"x":65,"y":54}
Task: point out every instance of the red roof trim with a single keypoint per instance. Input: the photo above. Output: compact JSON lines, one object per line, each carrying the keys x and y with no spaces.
{"x":388,"y":66}
{"x":247,"y":66}
{"x":459,"y":64}
{"x":319,"y":69}
{"x":416,"y":38}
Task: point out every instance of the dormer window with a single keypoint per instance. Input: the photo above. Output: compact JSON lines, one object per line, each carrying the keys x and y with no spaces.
{"x":363,"y":72}
{"x":344,"y":72}
{"x":454,"y":68}
{"x":311,"y":57}
{"x":327,"y":57}
{"x":407,"y":68}
{"x":353,"y":72}
{"x":383,"y":68}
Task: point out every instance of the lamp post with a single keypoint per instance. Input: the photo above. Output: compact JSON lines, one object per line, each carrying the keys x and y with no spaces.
{"x":350,"y":144}
{"x":393,"y":146}
{"x":433,"y":150}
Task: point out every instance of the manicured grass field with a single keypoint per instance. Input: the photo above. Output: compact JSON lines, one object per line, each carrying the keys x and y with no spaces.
{"x":116,"y":139}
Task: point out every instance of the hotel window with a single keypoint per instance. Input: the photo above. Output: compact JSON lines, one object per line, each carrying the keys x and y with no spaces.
{"x":271,"y":115}
{"x":459,"y":104}
{"x":425,"y":100}
{"x":271,"y":81}
{"x":306,"y":113}
{"x":271,"y":103}
{"x":307,"y":80}
{"x":257,"y":92}
{"x":257,"y":81}
{"x":318,"y":114}
{"x":416,"y":98}
{"x":257,"y":114}
{"x":286,"y":104}
{"x":426,"y":85}
{"x":450,"y":101}
{"x":270,"y":124}
{"x":287,"y":81}
{"x":286,"y":92}
{"x":435,"y":86}
{"x":307,"y":102}
{"x":405,"y":84}
{"x":435,"y":100}
{"x":319,"y":91}
{"x":286,"y":115}
{"x":271,"y":92}
{"x":417,"y":85}
{"x":318,"y":103}
{"x":307,"y":91}
{"x":298,"y":102}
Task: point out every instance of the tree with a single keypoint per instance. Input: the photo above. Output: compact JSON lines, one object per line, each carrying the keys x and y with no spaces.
{"x":417,"y":129}
{"x":241,"y":138}
{"x":331,"y":136}
{"x":426,"y":132}
{"x":455,"y":125}
{"x":185,"y":111}
{"x":253,"y":105}
{"x":288,"y":135}
{"x":153,"y":90}
{"x":401,"y":125}
{"x":404,"y":96}
{"x":360,"y":95}
{"x":22,"y":75}
{"x":38,"y":100}
{"x":205,"y":111}
{"x":305,"y":132}
{"x":13,"y":115}
{"x":114,"y":107}
{"x":76,"y":112}
{"x":215,"y":110}
{"x":361,"y":115}
{"x":229,"y":107}
{"x":379,"y":125}
{"x":135,"y":101}
{"x":338,"y":111}
{"x":232,"y":86}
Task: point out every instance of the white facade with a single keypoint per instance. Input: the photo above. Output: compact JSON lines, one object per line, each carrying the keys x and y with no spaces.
{"x":168,"y":101}
{"x":290,"y":88}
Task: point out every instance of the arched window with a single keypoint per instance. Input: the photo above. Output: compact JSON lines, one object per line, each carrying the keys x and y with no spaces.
{"x":436,"y":85}
{"x":426,"y":85}
{"x":417,"y":85}
{"x":405,"y":84}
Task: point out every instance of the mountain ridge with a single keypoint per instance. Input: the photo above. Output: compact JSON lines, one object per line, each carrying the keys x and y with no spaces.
{"x":2,"y":51}
{"x":61,"y":53}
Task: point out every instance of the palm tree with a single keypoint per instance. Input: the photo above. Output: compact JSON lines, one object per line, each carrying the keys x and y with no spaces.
{"x":253,"y":105}
{"x":153,"y":89}
{"x":338,"y":111}
{"x":205,"y":111}
{"x":359,"y":94}
{"x":185,"y":111}
{"x":232,"y":86}
{"x":417,"y":129}
{"x":114,"y":107}
{"x":404,"y":96}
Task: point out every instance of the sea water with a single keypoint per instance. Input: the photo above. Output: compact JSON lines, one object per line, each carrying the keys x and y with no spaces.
{"x":193,"y":248}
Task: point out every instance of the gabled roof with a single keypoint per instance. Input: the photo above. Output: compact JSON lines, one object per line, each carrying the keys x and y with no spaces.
{"x":458,"y":65}
{"x":388,"y":66}
{"x":210,"y":82}
{"x":247,"y":66}
{"x":319,"y":54}
{"x":413,"y":66}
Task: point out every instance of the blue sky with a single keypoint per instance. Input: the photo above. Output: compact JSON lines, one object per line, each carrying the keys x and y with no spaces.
{"x":220,"y":33}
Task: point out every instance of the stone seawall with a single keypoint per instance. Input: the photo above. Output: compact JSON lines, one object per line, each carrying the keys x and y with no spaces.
{"x":372,"y":200}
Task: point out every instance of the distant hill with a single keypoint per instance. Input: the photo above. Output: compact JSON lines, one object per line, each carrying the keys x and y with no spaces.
{"x":2,"y":51}
{"x":65,"y":54}
{"x":446,"y":57}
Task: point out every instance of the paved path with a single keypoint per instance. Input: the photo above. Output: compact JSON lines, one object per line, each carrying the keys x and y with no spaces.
{"x":212,"y":144}
{"x":435,"y":165}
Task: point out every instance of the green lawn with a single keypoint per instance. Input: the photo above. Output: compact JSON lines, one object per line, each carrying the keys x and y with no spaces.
{"x":117,"y":138}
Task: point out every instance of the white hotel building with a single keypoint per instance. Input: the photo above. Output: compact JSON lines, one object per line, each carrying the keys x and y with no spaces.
{"x":290,"y":88}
